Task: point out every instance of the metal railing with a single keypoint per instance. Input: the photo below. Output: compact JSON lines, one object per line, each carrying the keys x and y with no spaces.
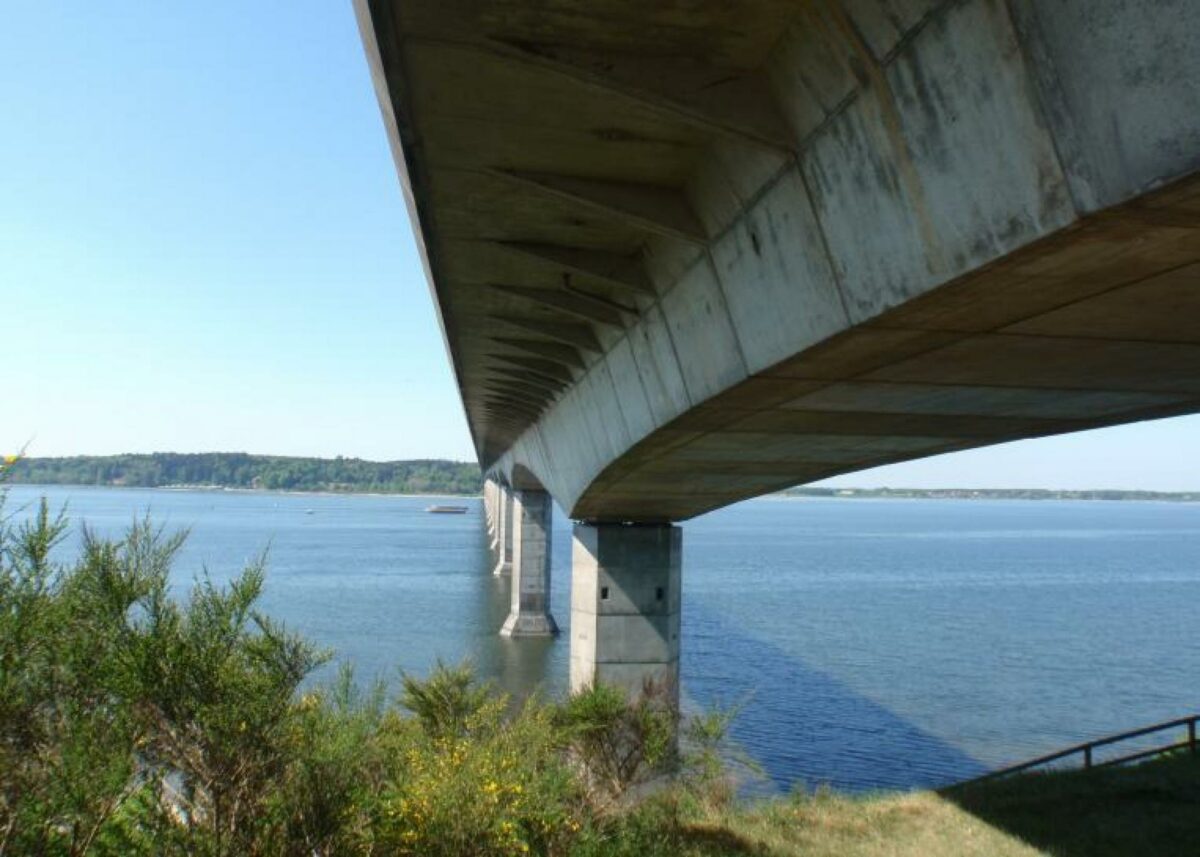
{"x":1088,"y":748}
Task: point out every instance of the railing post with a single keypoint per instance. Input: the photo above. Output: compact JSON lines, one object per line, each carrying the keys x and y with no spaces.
{"x":1087,"y":757}
{"x":1192,"y":736}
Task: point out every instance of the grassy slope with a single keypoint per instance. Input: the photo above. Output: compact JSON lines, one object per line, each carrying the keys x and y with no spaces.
{"x":1147,"y":809}
{"x":1152,"y":809}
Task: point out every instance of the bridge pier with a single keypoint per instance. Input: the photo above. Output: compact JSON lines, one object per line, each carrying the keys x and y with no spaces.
{"x":503,"y":545}
{"x":532,"y":512}
{"x":489,"y":511}
{"x":625,"y":603}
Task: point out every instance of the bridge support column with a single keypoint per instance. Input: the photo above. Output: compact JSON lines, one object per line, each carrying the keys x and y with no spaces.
{"x":488,"y":496}
{"x":503,"y":545}
{"x":625,"y":599}
{"x":532,"y":512}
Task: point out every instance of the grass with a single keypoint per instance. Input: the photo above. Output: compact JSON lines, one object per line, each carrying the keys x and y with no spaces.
{"x":920,"y":824}
{"x":1150,"y":809}
{"x":1153,"y":808}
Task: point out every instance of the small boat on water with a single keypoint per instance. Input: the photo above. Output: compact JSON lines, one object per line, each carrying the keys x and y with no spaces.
{"x":446,"y":510}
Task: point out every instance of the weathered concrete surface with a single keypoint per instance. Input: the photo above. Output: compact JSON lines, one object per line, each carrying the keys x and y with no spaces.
{"x":532,"y":513}
{"x":687,"y":254}
{"x":625,"y":606}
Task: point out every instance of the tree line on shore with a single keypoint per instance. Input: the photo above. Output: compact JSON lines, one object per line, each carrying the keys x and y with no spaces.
{"x":242,"y":470}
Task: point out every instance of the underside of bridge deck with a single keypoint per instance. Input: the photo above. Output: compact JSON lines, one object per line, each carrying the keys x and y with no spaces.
{"x":688,"y":253}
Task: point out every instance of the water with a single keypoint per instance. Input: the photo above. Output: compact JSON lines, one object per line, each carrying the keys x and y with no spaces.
{"x":870,"y":643}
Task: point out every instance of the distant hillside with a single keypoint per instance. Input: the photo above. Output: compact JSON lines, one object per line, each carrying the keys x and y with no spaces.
{"x":240,"y":470}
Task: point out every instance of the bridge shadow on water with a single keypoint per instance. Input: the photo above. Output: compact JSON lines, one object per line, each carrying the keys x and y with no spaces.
{"x":802,"y":726}
{"x":807,"y":728}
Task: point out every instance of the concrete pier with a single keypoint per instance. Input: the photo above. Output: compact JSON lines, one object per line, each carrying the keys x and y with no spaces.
{"x":491,"y":494}
{"x":532,"y":512}
{"x":625,"y":600}
{"x":503,"y":546}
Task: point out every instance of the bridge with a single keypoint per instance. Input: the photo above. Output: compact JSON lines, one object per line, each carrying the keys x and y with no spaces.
{"x":689,"y":253}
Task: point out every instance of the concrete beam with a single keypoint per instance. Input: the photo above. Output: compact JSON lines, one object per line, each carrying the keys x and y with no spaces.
{"x":537,"y":387}
{"x":656,"y":209}
{"x":585,"y":307}
{"x":624,"y":272}
{"x":522,"y":403}
{"x":505,"y":374}
{"x":563,"y":354}
{"x":505,"y":410}
{"x":507,"y":424}
{"x":547,"y":369}
{"x":575,"y":335}
{"x":530,"y":398}
{"x":501,"y":405}
{"x":732,"y":104}
{"x":541,"y":395}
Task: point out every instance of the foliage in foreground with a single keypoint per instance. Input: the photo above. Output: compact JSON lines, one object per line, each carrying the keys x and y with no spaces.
{"x":132,"y":723}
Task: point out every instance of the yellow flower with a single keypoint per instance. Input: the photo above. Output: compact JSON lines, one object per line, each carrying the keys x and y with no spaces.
{"x":11,"y":459}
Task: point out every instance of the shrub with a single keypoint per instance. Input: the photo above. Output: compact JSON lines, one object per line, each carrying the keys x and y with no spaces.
{"x":620,"y":744}
{"x":450,"y":704}
{"x":135,"y":724}
{"x":466,"y":779}
{"x":68,"y":730}
{"x":122,"y":707}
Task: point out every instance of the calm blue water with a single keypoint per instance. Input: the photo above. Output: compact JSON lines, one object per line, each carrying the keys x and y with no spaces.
{"x":872,"y":643}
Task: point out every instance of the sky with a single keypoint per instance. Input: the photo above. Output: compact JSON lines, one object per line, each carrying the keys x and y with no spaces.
{"x":204,"y":246}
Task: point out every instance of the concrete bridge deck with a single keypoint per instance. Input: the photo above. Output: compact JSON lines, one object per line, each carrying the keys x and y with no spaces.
{"x":688,"y":253}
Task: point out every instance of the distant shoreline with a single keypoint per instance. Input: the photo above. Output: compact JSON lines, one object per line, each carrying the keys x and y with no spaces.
{"x":1026,"y":494}
{"x":274,"y":474}
{"x":1033,"y":494}
{"x":224,"y":489}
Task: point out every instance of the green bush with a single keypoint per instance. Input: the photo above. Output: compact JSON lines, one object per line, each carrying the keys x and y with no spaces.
{"x":620,"y":744}
{"x":133,"y":723}
{"x":497,"y":785}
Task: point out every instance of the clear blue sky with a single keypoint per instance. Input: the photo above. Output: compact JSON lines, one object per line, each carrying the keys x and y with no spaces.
{"x":203,"y":246}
